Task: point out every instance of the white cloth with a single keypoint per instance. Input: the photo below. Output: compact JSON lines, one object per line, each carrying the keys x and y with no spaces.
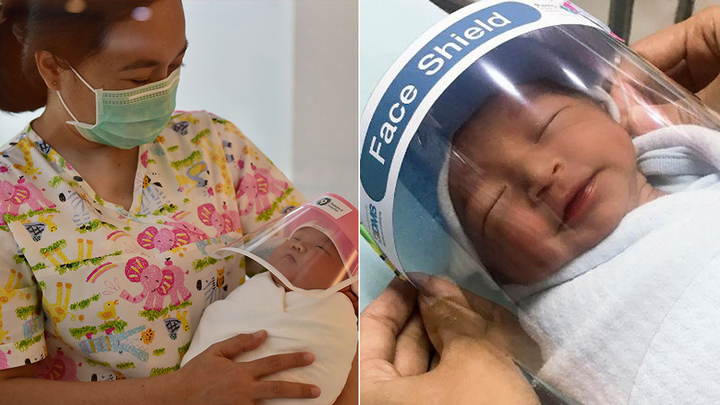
{"x":635,"y":319}
{"x":294,"y":323}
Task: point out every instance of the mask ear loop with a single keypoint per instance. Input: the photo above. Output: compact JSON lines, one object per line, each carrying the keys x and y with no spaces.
{"x":75,"y":121}
{"x":317,"y":294}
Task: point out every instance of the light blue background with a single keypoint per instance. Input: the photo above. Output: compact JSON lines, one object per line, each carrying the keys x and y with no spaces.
{"x":387,"y":28}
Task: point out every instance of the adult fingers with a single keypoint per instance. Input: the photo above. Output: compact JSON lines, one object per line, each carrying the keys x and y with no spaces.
{"x":232,"y":347}
{"x":689,"y":52}
{"x":284,"y":389}
{"x":448,"y":322}
{"x":272,"y":364}
{"x":412,"y":350}
{"x":445,"y":311}
{"x":465,"y":351}
{"x":442,"y":288}
{"x":383,"y":319}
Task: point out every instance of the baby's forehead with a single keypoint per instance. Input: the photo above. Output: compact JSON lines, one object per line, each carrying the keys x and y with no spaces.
{"x":506,"y":113}
{"x":314,"y":235}
{"x":529,"y":97}
{"x":310,"y":232}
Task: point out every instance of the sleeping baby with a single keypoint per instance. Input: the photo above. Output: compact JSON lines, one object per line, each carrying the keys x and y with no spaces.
{"x":607,"y":244}
{"x":561,"y":176}
{"x":288,"y":303}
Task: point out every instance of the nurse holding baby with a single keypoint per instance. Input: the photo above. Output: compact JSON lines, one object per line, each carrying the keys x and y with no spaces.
{"x":111,"y":203}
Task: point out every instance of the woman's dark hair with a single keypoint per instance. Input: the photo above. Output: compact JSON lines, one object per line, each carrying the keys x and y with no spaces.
{"x":71,"y":30}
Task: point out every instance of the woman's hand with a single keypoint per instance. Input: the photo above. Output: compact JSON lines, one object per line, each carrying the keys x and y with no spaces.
{"x":213,"y":377}
{"x":395,"y":353}
{"x":688,"y":52}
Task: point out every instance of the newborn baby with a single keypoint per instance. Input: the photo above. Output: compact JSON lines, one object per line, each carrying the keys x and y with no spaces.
{"x":617,"y":286}
{"x":326,"y":327}
{"x":538,"y":180}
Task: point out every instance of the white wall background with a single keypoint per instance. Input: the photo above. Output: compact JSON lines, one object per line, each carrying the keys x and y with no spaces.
{"x":325,"y":106}
{"x":285,"y":72}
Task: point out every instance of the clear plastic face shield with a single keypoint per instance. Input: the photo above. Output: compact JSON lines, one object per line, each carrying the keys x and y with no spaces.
{"x":507,"y":154}
{"x":312,"y":250}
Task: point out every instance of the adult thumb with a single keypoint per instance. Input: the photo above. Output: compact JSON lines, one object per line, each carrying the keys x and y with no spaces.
{"x":449,"y":322}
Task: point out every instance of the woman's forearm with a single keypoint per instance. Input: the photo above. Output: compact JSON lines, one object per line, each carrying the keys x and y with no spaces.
{"x":351,"y":392}
{"x":17,"y":386}
{"x":210,"y":377}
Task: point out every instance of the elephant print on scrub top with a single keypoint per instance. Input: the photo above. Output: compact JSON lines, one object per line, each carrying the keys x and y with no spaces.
{"x":58,"y":367}
{"x":12,"y":197}
{"x":256,"y":186}
{"x":223,"y":223}
{"x":163,"y":239}
{"x":157,"y":283}
{"x":64,"y":249}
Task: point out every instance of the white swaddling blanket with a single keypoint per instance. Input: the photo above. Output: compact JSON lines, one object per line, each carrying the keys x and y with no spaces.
{"x":294,"y":323}
{"x":637,"y":318}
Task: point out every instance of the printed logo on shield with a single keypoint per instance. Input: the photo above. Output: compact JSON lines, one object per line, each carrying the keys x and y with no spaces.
{"x":323,"y":201}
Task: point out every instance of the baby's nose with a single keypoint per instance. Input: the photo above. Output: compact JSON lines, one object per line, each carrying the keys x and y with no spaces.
{"x":299,"y":246}
{"x":540,"y":178}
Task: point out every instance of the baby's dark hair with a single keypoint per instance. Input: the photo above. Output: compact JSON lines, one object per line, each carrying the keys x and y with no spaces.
{"x":71,"y":36}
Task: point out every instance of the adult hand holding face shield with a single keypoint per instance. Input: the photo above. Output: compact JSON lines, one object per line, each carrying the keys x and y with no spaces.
{"x":547,"y":171}
{"x":689,"y":53}
{"x":470,"y":336}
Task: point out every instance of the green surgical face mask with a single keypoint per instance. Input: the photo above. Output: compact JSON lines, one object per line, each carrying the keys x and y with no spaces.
{"x":129,"y":118}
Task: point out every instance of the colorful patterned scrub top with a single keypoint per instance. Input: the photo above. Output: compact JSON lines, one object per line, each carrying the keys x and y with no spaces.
{"x":106,"y":293}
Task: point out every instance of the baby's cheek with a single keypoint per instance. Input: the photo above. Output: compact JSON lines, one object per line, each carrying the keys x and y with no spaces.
{"x":519,"y":227}
{"x":526,"y":240}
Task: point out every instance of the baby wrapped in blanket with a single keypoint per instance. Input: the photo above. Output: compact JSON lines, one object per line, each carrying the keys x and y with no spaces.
{"x":315,"y":257}
{"x":609,"y":246}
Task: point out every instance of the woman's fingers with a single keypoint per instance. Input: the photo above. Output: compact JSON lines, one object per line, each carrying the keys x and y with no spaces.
{"x":446,"y":289}
{"x":383,"y":319}
{"x":283,"y":389}
{"x":272,"y":364}
{"x":234,"y":346}
{"x":688,"y":52}
{"x":412,"y":348}
{"x":448,"y":322}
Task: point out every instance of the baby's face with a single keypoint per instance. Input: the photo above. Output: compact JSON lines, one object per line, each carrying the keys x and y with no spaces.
{"x":543,"y":181}
{"x":309,"y":260}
